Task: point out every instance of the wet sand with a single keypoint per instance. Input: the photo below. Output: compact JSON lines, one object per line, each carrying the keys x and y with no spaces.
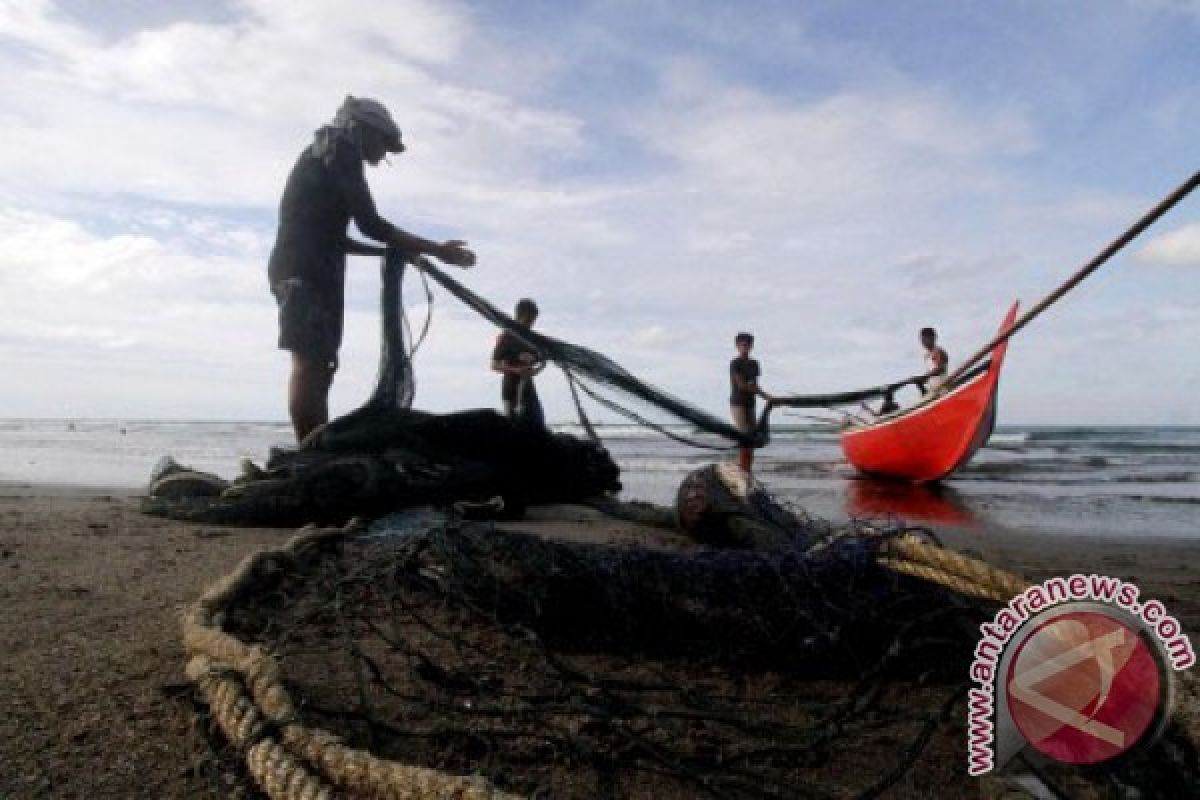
{"x":1167,"y":569}
{"x":92,"y":695}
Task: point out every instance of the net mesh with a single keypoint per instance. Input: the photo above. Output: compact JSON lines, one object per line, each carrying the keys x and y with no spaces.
{"x":588,"y":366}
{"x":560,"y":669}
{"x":591,"y":372}
{"x":555,"y":668}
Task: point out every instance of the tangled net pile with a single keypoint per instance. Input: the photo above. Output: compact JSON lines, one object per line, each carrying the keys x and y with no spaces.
{"x":568,"y":670}
{"x":435,"y":657}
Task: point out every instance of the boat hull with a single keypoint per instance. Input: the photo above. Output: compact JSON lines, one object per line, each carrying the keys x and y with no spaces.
{"x":933,"y":439}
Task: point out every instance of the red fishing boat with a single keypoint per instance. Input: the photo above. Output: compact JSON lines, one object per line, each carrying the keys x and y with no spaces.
{"x":940,"y":434}
{"x":932,"y":439}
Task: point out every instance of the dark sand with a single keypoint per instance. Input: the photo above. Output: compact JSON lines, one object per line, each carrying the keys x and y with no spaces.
{"x":92,"y":699}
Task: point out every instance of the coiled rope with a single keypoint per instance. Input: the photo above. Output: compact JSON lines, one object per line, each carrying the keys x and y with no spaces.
{"x":244,"y":690}
{"x":909,"y":555}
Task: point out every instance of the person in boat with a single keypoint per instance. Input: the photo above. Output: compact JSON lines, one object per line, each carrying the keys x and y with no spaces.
{"x":744,"y":373}
{"x":936,"y":362}
{"x":887,"y":406}
{"x":327,"y":188}
{"x":518,"y":362}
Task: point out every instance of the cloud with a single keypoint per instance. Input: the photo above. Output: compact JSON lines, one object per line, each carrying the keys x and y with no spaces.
{"x":651,"y":336}
{"x":655,"y":190}
{"x":765,"y":153}
{"x":132,"y":290}
{"x":1179,"y":248}
{"x":213,"y":112}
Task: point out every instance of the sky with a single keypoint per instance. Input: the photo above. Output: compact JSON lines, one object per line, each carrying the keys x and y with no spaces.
{"x":658,"y":175}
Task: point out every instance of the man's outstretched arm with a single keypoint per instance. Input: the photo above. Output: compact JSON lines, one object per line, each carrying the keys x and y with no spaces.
{"x":367,"y":218}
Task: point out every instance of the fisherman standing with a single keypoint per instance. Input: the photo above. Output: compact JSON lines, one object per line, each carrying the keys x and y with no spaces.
{"x":936,"y":362}
{"x":307,"y":271}
{"x":519,"y":363}
{"x":744,"y":372}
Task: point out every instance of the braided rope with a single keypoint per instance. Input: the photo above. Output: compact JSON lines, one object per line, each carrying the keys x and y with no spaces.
{"x":279,"y":774}
{"x":949,"y":580}
{"x":289,"y":761}
{"x":244,"y":689}
{"x":955,"y":571}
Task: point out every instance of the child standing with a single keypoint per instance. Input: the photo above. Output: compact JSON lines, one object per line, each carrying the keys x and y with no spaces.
{"x":744,"y":373}
{"x":519,"y":363}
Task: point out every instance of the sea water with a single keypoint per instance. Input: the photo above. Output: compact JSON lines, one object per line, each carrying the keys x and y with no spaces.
{"x":1127,"y":481}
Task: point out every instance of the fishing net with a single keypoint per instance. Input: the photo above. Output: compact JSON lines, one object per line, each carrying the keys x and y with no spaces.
{"x":431,"y":656}
{"x":557,"y":669}
{"x":587,"y":370}
{"x":435,"y":657}
{"x":385,"y":455}
{"x":397,"y":459}
{"x":590,"y":372}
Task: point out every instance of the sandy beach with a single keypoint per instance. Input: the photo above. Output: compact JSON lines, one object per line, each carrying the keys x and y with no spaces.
{"x":94,"y":702}
{"x":91,"y":660}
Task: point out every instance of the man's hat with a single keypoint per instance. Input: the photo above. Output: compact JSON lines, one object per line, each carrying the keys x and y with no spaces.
{"x":366,"y":111}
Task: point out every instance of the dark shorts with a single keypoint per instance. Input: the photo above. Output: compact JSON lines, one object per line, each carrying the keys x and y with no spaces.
{"x":527,"y":409}
{"x":309,"y":324}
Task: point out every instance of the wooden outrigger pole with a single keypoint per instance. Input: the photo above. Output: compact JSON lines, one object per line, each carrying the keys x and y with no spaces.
{"x":932,"y":439}
{"x":1104,"y":255}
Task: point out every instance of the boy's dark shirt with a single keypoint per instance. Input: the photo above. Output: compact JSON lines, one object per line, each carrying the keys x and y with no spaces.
{"x":322,"y":195}
{"x":748,"y":369}
{"x":508,"y":352}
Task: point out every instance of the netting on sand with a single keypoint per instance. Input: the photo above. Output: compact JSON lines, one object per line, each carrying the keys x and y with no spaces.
{"x":434,"y":657}
{"x":554,"y":669}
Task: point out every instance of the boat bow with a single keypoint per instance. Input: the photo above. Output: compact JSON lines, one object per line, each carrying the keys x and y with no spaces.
{"x":939,"y":435}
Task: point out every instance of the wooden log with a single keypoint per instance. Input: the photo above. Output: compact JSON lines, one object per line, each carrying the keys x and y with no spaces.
{"x":720,"y":505}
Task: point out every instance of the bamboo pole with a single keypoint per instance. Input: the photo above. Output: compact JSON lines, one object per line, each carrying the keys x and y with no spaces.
{"x":1104,"y":255}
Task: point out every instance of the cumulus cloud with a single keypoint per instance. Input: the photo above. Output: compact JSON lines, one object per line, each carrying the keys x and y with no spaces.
{"x":213,"y":112}
{"x":859,"y":143}
{"x":142,"y":167}
{"x":62,"y":281}
{"x":1179,"y":248}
